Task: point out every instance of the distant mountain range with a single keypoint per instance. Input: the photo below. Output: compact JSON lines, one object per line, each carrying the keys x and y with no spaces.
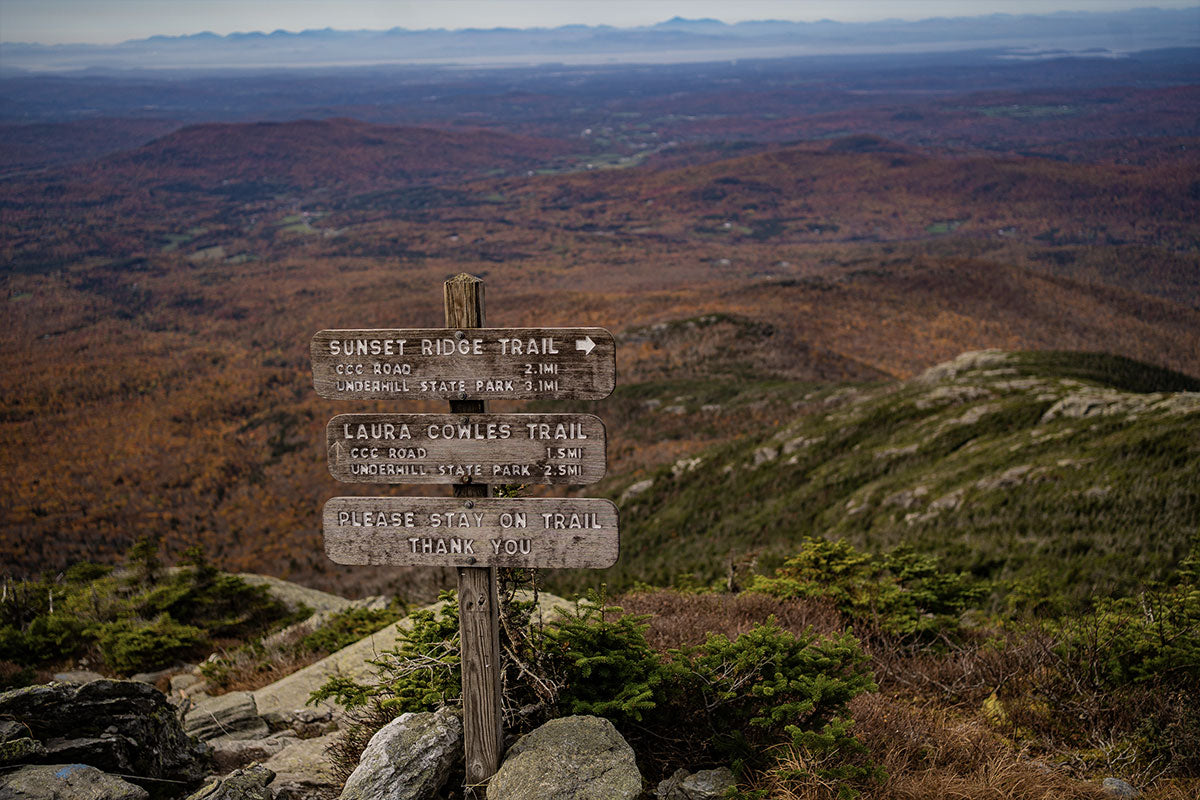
{"x":676,"y":40}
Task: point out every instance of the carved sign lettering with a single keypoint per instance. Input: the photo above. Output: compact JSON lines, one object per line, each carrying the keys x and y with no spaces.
{"x":472,"y":532}
{"x":472,"y":363}
{"x":467,"y":448}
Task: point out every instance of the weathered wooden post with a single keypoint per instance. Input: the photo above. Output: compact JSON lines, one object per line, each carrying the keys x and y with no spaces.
{"x":465,"y":363}
{"x":478,"y":614}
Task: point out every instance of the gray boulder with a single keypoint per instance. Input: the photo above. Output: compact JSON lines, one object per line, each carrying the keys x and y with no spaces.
{"x":303,"y":771}
{"x":1115,"y":787}
{"x":572,"y":758}
{"x":410,"y":758}
{"x":707,"y":784}
{"x":229,"y":754}
{"x":307,"y":723}
{"x":66,"y":782}
{"x":244,"y":784}
{"x":115,"y":726}
{"x":232,"y":715}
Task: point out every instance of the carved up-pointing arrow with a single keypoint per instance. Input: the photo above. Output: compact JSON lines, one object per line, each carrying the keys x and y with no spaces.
{"x":585,"y":344}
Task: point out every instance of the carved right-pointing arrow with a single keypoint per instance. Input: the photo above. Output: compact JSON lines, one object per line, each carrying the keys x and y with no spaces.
{"x":585,"y":344}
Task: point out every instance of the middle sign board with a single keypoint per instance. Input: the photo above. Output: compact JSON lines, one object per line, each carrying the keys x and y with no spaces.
{"x":467,"y":448}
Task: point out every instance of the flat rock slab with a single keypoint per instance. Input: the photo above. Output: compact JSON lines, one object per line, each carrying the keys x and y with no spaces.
{"x":293,"y":595}
{"x":410,"y":758}
{"x":229,"y":754}
{"x":77,"y":676}
{"x":232,"y":715}
{"x":303,"y":771}
{"x":292,"y":692}
{"x":66,"y":782}
{"x":572,"y":758}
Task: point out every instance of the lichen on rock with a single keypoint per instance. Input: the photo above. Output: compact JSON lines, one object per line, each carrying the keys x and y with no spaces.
{"x":571,"y":758}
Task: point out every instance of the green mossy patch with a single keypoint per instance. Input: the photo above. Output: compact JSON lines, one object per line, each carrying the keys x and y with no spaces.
{"x":1056,"y":468}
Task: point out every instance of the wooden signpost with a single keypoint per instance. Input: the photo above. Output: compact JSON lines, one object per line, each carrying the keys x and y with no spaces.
{"x":468,"y":364}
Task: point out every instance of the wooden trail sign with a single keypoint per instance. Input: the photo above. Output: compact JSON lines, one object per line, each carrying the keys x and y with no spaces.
{"x":461,"y":363}
{"x":468,"y":364}
{"x":554,"y":533}
{"x":467,"y":448}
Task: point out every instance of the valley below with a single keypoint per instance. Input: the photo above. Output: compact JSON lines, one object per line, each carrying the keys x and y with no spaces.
{"x":925,"y":322}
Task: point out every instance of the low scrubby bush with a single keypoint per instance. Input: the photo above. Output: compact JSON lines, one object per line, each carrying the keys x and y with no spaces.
{"x":419,"y":674}
{"x":901,"y":594}
{"x":347,"y":627}
{"x":738,"y":700}
{"x":130,"y":646}
{"x":138,"y":619}
{"x":223,"y":605}
{"x":725,"y":701}
{"x":1126,"y":673}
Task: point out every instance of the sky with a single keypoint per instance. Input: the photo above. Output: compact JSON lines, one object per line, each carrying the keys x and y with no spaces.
{"x":111,"y":21}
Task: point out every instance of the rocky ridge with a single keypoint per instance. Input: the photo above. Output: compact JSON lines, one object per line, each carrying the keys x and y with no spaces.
{"x":961,"y":462}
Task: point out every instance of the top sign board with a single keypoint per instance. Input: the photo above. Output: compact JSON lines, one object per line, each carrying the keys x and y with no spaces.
{"x":465,"y":364}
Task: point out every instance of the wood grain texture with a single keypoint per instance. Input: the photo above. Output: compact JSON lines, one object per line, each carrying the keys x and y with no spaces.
{"x":467,"y":448}
{"x":479,"y":633}
{"x":461,"y":363}
{"x":462,"y":298}
{"x":478,"y":603}
{"x":543,"y":532}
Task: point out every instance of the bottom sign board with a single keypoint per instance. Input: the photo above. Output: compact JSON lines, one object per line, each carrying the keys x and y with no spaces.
{"x":552,"y":533}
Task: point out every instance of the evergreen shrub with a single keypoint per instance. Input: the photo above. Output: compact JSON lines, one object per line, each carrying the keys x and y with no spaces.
{"x":130,"y":646}
{"x":726,"y":701}
{"x":901,"y":594}
{"x":347,"y":627}
{"x":142,"y":618}
{"x":1130,"y":670}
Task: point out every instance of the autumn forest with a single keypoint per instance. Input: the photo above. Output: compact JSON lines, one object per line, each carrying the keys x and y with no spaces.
{"x":163,"y":265}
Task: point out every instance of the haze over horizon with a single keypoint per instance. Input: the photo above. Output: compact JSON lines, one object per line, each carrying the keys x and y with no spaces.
{"x":79,"y":22}
{"x":675,"y":40}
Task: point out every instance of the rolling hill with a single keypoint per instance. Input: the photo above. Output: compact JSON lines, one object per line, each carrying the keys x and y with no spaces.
{"x":159,"y":301}
{"x":1049,"y":471}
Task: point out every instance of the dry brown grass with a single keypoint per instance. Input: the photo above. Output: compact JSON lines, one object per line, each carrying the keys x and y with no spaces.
{"x":930,"y":753}
{"x":936,"y":726}
{"x":245,"y":669}
{"x":934,"y":753}
{"x":962,"y":673}
{"x":681,"y":619}
{"x":1053,"y":703}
